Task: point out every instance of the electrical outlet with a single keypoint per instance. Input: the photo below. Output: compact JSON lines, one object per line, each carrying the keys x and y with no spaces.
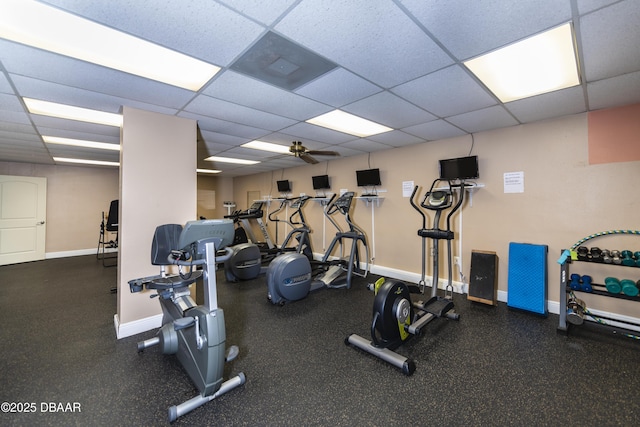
{"x":457,"y":261}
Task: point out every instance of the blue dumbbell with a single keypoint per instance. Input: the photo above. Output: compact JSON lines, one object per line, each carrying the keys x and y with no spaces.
{"x":586,"y":283}
{"x":575,"y":282}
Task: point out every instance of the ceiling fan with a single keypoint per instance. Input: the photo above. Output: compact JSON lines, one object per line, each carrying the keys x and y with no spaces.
{"x":299,"y":150}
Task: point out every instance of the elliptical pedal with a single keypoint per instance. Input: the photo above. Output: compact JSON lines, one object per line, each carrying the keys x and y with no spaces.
{"x":438,"y":306}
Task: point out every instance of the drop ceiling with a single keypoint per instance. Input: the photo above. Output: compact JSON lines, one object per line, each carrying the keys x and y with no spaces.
{"x":398,"y":63}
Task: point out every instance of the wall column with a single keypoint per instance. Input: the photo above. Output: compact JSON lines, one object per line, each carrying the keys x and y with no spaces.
{"x":157,"y":186}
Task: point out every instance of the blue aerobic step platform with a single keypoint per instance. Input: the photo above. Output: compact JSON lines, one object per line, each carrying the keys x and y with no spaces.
{"x":528,"y":277}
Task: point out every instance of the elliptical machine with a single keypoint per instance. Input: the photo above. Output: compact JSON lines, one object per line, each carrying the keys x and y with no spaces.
{"x":245,"y":262}
{"x":290,"y":277}
{"x":395,"y":317}
{"x":194,"y":333}
{"x":299,"y":228}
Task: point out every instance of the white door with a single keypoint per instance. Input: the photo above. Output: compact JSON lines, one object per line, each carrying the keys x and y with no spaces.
{"x":23,"y":209}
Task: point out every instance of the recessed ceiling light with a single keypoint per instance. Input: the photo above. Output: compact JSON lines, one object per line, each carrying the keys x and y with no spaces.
{"x":80,"y":143}
{"x":231,"y":160}
{"x":207,"y":171}
{"x":85,"y":162}
{"x":70,"y":112}
{"x":267,"y":146}
{"x":540,"y":64}
{"x":348,"y":123}
{"x":46,"y":27}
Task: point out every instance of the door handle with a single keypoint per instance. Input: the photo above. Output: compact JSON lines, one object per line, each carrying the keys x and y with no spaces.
{"x":40,"y":223}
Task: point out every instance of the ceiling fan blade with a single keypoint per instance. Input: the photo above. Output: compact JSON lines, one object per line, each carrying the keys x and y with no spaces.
{"x":323,"y":153}
{"x":307,"y":158}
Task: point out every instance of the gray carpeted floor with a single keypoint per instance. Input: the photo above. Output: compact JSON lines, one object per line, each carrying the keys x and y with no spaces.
{"x":495,"y":366}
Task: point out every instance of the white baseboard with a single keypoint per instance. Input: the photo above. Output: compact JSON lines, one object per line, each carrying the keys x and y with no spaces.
{"x":139,"y":326}
{"x":78,"y":252}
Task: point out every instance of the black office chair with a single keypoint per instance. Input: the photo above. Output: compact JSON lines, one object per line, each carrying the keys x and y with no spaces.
{"x":110,"y":225}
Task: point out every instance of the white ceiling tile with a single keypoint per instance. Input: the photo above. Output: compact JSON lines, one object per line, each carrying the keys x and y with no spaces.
{"x":586,"y":6}
{"x":438,"y":129}
{"x":338,"y":87}
{"x":231,"y":86}
{"x":396,"y":138}
{"x":235,"y":113}
{"x":15,"y":117}
{"x":73,"y":125}
{"x":113,"y":138}
{"x":548,"y":105}
{"x":13,"y":137}
{"x":376,"y":39}
{"x":9,"y":124}
{"x":48,"y":91}
{"x":366,"y":145}
{"x":264,"y":11}
{"x":614,"y":92}
{"x":5,"y":87}
{"x":389,"y":110}
{"x":610,"y":40}
{"x":446,"y":92}
{"x":484,"y":119}
{"x":10,"y":103}
{"x":469,"y":28}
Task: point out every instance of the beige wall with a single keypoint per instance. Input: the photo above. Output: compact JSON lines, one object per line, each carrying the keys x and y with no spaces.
{"x":564,"y":197}
{"x":149,"y":197}
{"x":219,"y":187}
{"x":76,"y":198}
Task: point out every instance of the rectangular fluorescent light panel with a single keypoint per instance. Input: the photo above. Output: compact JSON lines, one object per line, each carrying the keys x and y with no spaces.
{"x":348,"y":123}
{"x":540,"y":64}
{"x":80,"y":143}
{"x":231,"y":160}
{"x":46,"y":27}
{"x":70,"y":112}
{"x":208,"y":171}
{"x":267,"y":146}
{"x":85,"y":162}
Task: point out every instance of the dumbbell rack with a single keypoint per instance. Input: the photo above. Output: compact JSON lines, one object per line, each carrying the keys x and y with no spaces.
{"x":597,"y":289}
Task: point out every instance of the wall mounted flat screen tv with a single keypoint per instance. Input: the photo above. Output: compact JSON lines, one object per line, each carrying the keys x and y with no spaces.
{"x":368,"y":177}
{"x":284,"y":186}
{"x":320,"y":182}
{"x":459,"y":168}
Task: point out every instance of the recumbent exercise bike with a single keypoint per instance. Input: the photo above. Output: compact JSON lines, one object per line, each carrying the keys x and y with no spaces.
{"x":395,"y":317}
{"x":194,"y":333}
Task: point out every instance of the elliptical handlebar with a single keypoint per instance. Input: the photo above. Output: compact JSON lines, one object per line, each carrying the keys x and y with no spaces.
{"x":283,"y":203}
{"x":298,"y":203}
{"x":415,"y":206}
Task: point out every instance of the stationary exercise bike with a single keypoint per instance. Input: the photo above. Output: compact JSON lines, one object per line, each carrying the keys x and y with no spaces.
{"x":395,"y":317}
{"x":194,"y":333}
{"x":291,"y":277}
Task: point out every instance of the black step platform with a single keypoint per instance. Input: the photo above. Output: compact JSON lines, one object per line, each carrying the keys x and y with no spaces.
{"x":438,"y":306}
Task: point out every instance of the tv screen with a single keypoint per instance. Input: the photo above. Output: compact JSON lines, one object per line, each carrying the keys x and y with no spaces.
{"x":368,"y":177}
{"x":284,"y":186}
{"x":459,"y":168}
{"x":320,"y":182}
